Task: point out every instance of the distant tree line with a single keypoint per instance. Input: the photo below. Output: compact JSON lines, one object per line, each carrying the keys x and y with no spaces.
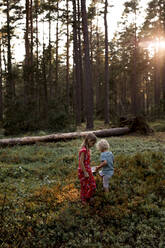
{"x":71,"y":72}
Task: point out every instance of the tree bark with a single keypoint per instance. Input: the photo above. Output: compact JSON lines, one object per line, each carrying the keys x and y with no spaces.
{"x":44,"y":88}
{"x":51,"y":89}
{"x":67,"y":54}
{"x":77,"y":67}
{"x":57,"y":53}
{"x":63,"y":136}
{"x":87,"y":69}
{"x":1,"y":99}
{"x":9,"y":87}
{"x":163,"y":86}
{"x":31,"y":52}
{"x":27,"y":57}
{"x":80,"y":62}
{"x":97,"y":72}
{"x":157,"y":83}
{"x":106,"y":76}
{"x":134,"y":95}
{"x":37,"y":86}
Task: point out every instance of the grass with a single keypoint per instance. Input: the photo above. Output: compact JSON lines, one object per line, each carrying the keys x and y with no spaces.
{"x":158,"y":126}
{"x":39,"y":196}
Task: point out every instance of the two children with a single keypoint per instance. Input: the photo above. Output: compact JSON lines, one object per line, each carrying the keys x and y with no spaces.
{"x":85,"y":175}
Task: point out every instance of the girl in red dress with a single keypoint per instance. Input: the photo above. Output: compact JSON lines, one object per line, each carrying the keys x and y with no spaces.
{"x":85,"y":174}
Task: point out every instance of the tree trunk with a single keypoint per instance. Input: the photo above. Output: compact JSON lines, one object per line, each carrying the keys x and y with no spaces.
{"x":163,"y":85}
{"x":157,"y":84}
{"x":8,"y":97}
{"x":163,"y":67}
{"x":1,"y":100}
{"x":37,"y":86}
{"x":81,"y":64}
{"x":31,"y":53}
{"x":91,"y":44}
{"x":76,"y":66}
{"x":57,"y":53}
{"x":9,"y":66}
{"x":67,"y":54}
{"x":4,"y":54}
{"x":106,"y":109}
{"x":51,"y":88}
{"x":97,"y":72}
{"x":27,"y":58}
{"x":63,"y":136}
{"x":134,"y":90}
{"x":45,"y":89}
{"x":87,"y":69}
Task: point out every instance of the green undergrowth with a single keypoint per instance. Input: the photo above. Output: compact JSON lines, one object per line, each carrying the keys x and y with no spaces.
{"x":40,"y":204}
{"x":158,"y":126}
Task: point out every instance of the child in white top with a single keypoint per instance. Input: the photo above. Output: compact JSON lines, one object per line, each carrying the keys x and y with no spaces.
{"x":107,"y":162}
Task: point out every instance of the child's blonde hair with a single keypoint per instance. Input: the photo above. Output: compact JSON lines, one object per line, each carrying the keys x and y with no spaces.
{"x":102,"y":145}
{"x":89,"y":137}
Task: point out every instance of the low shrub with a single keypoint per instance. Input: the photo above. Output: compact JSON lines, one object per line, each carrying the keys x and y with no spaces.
{"x":44,"y":210}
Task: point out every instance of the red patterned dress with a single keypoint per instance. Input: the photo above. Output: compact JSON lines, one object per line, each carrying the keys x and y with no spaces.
{"x":88,"y":184}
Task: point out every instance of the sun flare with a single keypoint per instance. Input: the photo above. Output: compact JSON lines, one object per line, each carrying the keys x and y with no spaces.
{"x":157,"y":45}
{"x":154,"y":46}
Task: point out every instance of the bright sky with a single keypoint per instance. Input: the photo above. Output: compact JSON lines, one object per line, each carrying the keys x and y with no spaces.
{"x":115,"y":14}
{"x":113,"y":18}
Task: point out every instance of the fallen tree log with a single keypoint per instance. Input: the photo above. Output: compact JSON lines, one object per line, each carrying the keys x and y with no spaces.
{"x":62,"y":136}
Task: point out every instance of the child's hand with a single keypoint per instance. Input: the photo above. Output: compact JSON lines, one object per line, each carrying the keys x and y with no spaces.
{"x":97,"y":168}
{"x":86,"y":174}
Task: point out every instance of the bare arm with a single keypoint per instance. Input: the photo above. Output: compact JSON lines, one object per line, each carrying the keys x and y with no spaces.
{"x":82,"y":164}
{"x":102,"y":164}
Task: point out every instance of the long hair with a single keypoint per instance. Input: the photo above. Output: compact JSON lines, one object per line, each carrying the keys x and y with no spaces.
{"x":89,"y":137}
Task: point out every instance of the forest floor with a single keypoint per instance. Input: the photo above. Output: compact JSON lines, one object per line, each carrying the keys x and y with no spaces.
{"x":40,"y":203}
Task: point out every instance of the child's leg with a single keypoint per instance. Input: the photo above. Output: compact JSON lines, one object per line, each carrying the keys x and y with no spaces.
{"x":102,"y":176}
{"x":106,"y":183}
{"x":106,"y":190}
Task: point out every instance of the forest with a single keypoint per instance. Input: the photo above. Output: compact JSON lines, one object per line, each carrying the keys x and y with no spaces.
{"x":61,"y":75}
{"x":70,"y":72}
